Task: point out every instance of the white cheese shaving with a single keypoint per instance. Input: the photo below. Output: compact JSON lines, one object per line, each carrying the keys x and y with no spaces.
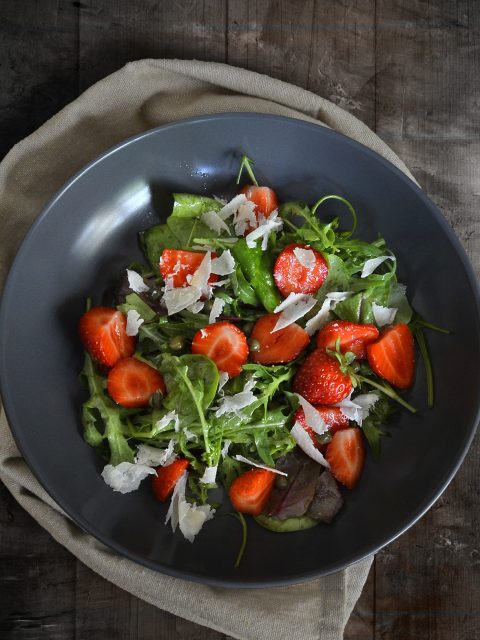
{"x":245,"y":217}
{"x":153,"y":457}
{"x":217,"y":309}
{"x":306,"y":257}
{"x":163,"y":423}
{"x":358,"y":408}
{"x":220,"y":200}
{"x":196,"y":307}
{"x":305,"y":443}
{"x":214,"y":222}
{"x":383,"y":315}
{"x":225,"y":448}
{"x":209,"y":475}
{"x":233,"y":404}
{"x":190,"y":517}
{"x":370,"y":265}
{"x":189,"y":435}
{"x":133,"y":322}
{"x":182,"y":298}
{"x":222,"y":379}
{"x":224,"y":264}
{"x":135,"y":282}
{"x":126,"y":476}
{"x":322,"y":317}
{"x":312,"y":416}
{"x":295,"y":306}
{"x":260,"y":466}
{"x":266,"y":227}
{"x":231,"y":208}
{"x":202,"y":274}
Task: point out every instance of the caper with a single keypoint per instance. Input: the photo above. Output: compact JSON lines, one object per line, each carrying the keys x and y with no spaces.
{"x":156,"y":399}
{"x":281,"y":482}
{"x":254,"y":345}
{"x":324,"y":438}
{"x":177,"y":343}
{"x":247,"y":327}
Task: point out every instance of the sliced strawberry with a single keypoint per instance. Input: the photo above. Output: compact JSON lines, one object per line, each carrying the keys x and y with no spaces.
{"x":332,"y":416}
{"x":345,"y":455}
{"x":225,"y":344}
{"x":265,"y":199}
{"x":392,"y":356}
{"x":280,"y":346}
{"x":103,"y":334}
{"x":291,"y":276}
{"x":249,"y":493}
{"x":320,"y":381}
{"x":177,"y":265}
{"x":353,"y":337}
{"x":131,"y":383}
{"x":167,"y":477}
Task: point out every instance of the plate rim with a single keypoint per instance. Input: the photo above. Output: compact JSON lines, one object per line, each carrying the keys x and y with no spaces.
{"x":88,"y":527}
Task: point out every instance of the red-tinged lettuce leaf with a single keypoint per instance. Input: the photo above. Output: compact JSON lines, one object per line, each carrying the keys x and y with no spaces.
{"x":327,"y":500}
{"x":292,"y":495}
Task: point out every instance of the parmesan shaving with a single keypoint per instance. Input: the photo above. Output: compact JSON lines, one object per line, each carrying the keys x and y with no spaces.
{"x":135,"y":282}
{"x":293,"y":308}
{"x":224,"y":264}
{"x":217,"y":309}
{"x":133,"y":322}
{"x":260,"y":466}
{"x":163,"y":423}
{"x":306,"y":257}
{"x":383,"y":315}
{"x":209,"y":475}
{"x":126,"y":476}
{"x":312,"y":417}
{"x":214,"y":222}
{"x":305,"y":443}
{"x":266,"y":227}
{"x":245,"y":218}
{"x":233,"y":404}
{"x":153,"y":457}
{"x":190,"y":517}
{"x":370,"y":265}
{"x":323,"y":315}
{"x":358,"y":408}
{"x":225,"y":448}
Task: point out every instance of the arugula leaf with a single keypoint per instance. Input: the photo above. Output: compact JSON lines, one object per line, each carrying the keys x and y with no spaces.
{"x":242,"y":289}
{"x":135,"y":303}
{"x":187,"y":205}
{"x":154,"y":240}
{"x":100,"y":410}
{"x":381,"y":411}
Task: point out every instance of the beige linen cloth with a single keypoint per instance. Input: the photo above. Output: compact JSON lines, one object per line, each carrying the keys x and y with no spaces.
{"x":140,"y":96}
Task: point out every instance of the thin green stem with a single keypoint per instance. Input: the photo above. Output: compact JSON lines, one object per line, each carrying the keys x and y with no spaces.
{"x":422,"y":345}
{"x":239,"y":516}
{"x":346,"y":203}
{"x":246,"y":163}
{"x":388,"y":391}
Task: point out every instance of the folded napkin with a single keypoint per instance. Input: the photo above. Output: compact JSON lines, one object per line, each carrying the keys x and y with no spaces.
{"x":140,"y":96}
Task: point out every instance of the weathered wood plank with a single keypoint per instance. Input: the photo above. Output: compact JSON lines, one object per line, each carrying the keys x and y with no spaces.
{"x":427,"y":86}
{"x":38,"y":65}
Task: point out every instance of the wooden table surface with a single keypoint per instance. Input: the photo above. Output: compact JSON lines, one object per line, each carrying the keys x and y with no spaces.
{"x":409,"y":69}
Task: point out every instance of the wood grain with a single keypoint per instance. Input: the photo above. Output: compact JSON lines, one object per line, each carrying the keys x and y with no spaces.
{"x":409,"y":69}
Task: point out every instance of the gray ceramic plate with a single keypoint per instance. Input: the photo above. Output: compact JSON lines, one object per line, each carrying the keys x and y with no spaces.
{"x":86,"y":236}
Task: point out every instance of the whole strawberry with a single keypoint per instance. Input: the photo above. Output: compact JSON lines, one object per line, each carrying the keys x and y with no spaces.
{"x":320,"y":380}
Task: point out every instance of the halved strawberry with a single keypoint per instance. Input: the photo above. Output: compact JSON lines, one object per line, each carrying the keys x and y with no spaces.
{"x":392,"y":356}
{"x":353,"y":337}
{"x":291,"y":276}
{"x":131,"y":383}
{"x":265,"y":199}
{"x":177,"y":265}
{"x":332,"y":416}
{"x":103,"y":334}
{"x":249,"y":493}
{"x":225,"y":344}
{"x":167,"y":477}
{"x":320,"y":380}
{"x":346,"y":454}
{"x":280,"y":346}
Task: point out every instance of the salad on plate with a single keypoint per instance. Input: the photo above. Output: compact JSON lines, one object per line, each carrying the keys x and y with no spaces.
{"x":260,"y":349}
